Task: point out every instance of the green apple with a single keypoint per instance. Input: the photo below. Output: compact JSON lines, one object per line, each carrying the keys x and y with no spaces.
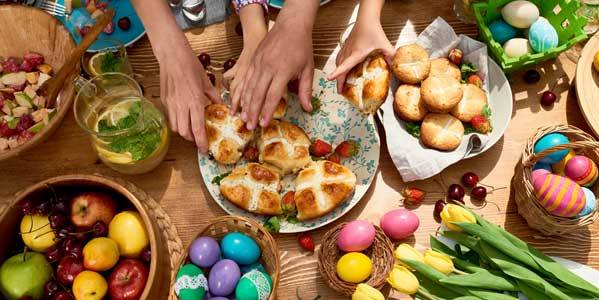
{"x":24,"y":274}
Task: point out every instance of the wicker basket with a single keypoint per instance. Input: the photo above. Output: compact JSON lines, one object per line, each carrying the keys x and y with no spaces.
{"x":536,"y":216}
{"x":380,"y":252}
{"x":219,"y":227}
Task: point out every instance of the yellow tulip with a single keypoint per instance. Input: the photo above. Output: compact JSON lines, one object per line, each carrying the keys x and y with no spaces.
{"x":455,"y":213}
{"x":439,"y":261}
{"x":366,"y":292}
{"x":402,"y":280}
{"x":405,"y":251}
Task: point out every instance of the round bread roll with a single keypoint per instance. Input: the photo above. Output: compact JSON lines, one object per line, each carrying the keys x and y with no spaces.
{"x":411,"y":64}
{"x":441,"y":93}
{"x":254,"y":188}
{"x":367,"y":85}
{"x":284,"y":146}
{"x":472,"y":104}
{"x":281,"y":109}
{"x":408,"y":104}
{"x":442,"y":66}
{"x":441,"y":131}
{"x":226,"y":134}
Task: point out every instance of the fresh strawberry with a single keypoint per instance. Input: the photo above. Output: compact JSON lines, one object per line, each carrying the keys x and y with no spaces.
{"x":288,"y":203}
{"x":481,"y":124}
{"x":306,"y":241}
{"x":26,"y":66}
{"x":475,"y":79}
{"x":293,"y":86}
{"x":35,"y":59}
{"x":6,"y":131}
{"x":109,"y":29}
{"x":456,"y":56}
{"x":320,"y":148}
{"x":347,"y":148}
{"x":412,"y":195}
{"x":334,"y":157}
{"x":11,"y":65}
{"x":250,"y":153}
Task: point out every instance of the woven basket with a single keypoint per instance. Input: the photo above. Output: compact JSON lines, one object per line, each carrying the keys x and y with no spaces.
{"x":219,"y":227}
{"x":536,"y":216}
{"x":380,"y":252}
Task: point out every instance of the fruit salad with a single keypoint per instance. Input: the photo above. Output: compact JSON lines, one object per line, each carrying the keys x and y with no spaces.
{"x":23,"y":113}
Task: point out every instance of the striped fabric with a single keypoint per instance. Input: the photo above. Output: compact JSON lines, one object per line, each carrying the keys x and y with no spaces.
{"x":241,"y":3}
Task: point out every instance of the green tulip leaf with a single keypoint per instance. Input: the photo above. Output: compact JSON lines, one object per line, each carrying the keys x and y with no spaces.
{"x":482,"y":279}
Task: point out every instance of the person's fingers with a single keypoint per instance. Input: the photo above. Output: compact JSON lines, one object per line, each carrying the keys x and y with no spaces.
{"x":211,"y":92}
{"x":244,"y":92}
{"x":347,"y":65}
{"x":235,"y":95}
{"x":170,"y":104}
{"x":257,"y":99}
{"x":341,"y":82}
{"x":305,"y":87}
{"x":183,"y":123}
{"x":198,"y":127}
{"x":273,"y":97}
{"x":229,"y":76}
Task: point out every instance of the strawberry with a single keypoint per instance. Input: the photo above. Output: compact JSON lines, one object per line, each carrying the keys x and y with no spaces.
{"x":475,"y":79}
{"x":26,"y":66}
{"x":34,"y":59}
{"x":481,"y":124}
{"x":10,"y":65}
{"x":288,"y":203}
{"x":6,"y":131}
{"x":334,"y":157}
{"x":306,"y":241}
{"x":456,"y":56}
{"x":413,"y":196}
{"x":109,"y":29}
{"x":320,"y":148}
{"x":250,"y":153}
{"x":347,"y":148}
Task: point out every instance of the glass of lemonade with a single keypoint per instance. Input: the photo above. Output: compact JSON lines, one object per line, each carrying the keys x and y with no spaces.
{"x":128,"y":132}
{"x":112,"y":59}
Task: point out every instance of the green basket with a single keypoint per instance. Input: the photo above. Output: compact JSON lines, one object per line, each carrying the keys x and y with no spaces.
{"x":569,"y":27}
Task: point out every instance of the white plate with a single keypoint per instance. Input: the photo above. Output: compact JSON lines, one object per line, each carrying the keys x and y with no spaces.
{"x":337,"y":120}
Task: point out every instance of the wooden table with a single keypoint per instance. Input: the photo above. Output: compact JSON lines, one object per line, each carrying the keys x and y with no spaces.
{"x":178,"y":186}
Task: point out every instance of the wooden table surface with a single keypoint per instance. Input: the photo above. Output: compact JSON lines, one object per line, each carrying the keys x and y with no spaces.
{"x":178,"y":186}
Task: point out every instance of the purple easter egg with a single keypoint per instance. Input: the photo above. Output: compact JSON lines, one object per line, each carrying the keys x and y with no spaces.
{"x":204,"y":252}
{"x":219,"y":298}
{"x":223,"y":277}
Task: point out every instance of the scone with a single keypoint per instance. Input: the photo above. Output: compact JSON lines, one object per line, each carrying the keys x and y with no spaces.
{"x":254,"y":188}
{"x":408,"y":104}
{"x":411,"y":64}
{"x":227,"y":135}
{"x":441,"y":93}
{"x":442,"y":66}
{"x":285,"y":146}
{"x":280,"y":110}
{"x":321,"y":187}
{"x":472,"y":104}
{"x":441,"y":131}
{"x":367,"y":85}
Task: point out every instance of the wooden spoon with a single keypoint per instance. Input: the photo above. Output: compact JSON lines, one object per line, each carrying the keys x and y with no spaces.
{"x":51,"y":88}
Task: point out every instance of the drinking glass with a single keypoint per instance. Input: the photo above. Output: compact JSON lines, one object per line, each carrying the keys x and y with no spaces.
{"x":113,"y":58}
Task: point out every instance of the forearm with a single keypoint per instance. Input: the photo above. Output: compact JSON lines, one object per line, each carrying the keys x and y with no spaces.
{"x":253,"y":24}
{"x":300,"y":12}
{"x":370,"y":10}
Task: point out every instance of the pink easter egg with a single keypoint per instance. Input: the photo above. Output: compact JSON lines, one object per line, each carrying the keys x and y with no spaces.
{"x":582,"y":170}
{"x":538,"y":175}
{"x":356,"y":236}
{"x":560,"y":195}
{"x":399,"y":223}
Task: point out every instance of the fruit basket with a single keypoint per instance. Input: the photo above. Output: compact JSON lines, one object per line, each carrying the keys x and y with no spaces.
{"x":68,"y":190}
{"x":218,"y":229}
{"x":529,"y":207}
{"x":569,"y":27}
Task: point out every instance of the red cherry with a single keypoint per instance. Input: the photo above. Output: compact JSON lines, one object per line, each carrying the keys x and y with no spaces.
{"x":479,"y":193}
{"x":439,"y":205}
{"x":124,"y":23}
{"x":204,"y":59}
{"x":50,"y":289}
{"x":146,"y":255}
{"x":62,"y":295}
{"x":456,"y":192}
{"x":53,"y":254}
{"x":229,"y":64}
{"x":548,"y":98}
{"x":57,"y":221}
{"x":469,"y":179}
{"x":100,"y":229}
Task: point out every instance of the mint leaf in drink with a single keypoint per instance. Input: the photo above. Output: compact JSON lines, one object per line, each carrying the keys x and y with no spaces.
{"x":111,"y":63}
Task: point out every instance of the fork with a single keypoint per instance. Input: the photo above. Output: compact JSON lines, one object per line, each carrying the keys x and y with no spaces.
{"x":53,"y":8}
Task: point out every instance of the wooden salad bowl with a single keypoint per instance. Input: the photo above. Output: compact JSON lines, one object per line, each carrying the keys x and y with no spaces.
{"x":23,"y":29}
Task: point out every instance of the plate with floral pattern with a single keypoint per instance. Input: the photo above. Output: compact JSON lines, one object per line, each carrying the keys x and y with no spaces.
{"x":335,"y":121}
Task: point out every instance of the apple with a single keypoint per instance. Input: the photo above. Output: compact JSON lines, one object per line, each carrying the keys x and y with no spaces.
{"x":128,"y":230}
{"x":90,"y":207}
{"x":24,"y":274}
{"x":89,"y":285}
{"x":68,"y":268}
{"x":128,"y":280}
{"x":37,"y":233}
{"x":100,"y":254}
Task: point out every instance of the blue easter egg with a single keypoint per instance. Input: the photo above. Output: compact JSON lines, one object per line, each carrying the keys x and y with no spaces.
{"x":542,"y":36}
{"x":502,"y":31}
{"x":591,"y":203}
{"x":548,"y":141}
{"x":240,"y":248}
{"x":256,"y":266}
{"x":542,"y":166}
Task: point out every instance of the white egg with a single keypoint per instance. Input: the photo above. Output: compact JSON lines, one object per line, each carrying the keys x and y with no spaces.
{"x":520,"y":13}
{"x":517,"y":47}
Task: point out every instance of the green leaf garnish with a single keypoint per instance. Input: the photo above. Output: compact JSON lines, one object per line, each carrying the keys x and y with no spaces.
{"x":124,"y":123}
{"x":467,"y":69}
{"x":413,"y":128}
{"x":272,"y":224}
{"x":217,"y":179}
{"x":316,"y":104}
{"x":111,"y":63}
{"x":468,"y":129}
{"x":487,"y":112}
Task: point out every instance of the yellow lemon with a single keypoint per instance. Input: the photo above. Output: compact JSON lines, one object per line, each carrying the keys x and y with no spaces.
{"x":354,"y":267}
{"x":37,"y":233}
{"x":100,"y":254}
{"x":89,"y":285}
{"x":128,"y":230}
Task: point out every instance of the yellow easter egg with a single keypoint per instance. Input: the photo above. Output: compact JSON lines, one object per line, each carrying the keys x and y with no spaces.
{"x":559,"y":167}
{"x":354,"y":267}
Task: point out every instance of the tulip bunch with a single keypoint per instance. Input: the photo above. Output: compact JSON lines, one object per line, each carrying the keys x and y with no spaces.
{"x":496,"y":266}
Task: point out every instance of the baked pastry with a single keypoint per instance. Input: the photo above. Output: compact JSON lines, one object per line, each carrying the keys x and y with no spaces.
{"x":441,"y":131}
{"x":367,"y":84}
{"x":280,"y":110}
{"x":441,"y":93}
{"x":442,"y":66}
{"x":411,"y":64}
{"x":408,"y":104}
{"x":227,"y":135}
{"x":254,"y":188}
{"x":285,"y":146}
{"x":321,"y":187}
{"x":472,"y":104}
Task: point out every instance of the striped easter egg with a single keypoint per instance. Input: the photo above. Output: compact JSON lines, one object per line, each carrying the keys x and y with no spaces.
{"x":542,"y":36}
{"x":559,"y":195}
{"x":582,"y":170}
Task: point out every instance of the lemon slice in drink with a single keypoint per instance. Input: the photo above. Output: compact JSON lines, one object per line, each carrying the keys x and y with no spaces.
{"x":95,"y":63}
{"x":113,"y":157}
{"x":116,"y":112}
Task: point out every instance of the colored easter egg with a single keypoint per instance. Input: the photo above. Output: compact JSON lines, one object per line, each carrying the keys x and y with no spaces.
{"x":204,"y":252}
{"x":356,"y":236}
{"x":223,"y":277}
{"x":517,"y":47}
{"x":591,"y":203}
{"x":354,"y":267}
{"x":255,"y":266}
{"x":240,"y":248}
{"x":539,"y":166}
{"x":539,"y":175}
{"x":559,"y":195}
{"x":254,"y":285}
{"x":191,"y":284}
{"x":548,"y":141}
{"x":520,"y":14}
{"x":542,"y":36}
{"x":582,"y":170}
{"x":559,"y":167}
{"x":399,"y":223}
{"x":502,"y":31}
{"x":219,"y":298}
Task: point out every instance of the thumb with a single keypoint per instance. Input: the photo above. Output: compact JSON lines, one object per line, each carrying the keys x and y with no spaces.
{"x":305,"y":87}
{"x":347,"y":65}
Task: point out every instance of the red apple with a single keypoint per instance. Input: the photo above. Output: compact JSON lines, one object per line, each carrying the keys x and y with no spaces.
{"x":127,"y":280}
{"x":68,"y":268}
{"x":91,"y":207}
